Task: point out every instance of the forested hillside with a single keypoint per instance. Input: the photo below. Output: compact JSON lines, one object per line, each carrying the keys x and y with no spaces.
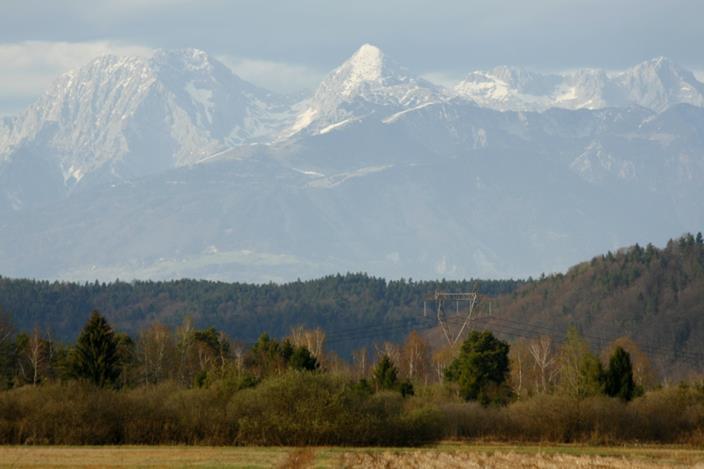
{"x":355,"y":306}
{"x":654,"y":296}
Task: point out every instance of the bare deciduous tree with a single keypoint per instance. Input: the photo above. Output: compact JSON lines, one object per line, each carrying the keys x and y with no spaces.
{"x":312,"y":339}
{"x":545,"y":361}
{"x":36,"y":348}
{"x":156,"y":349}
{"x":360,"y":361}
{"x":415,"y":357}
{"x":442,"y":359}
{"x":389,"y":349}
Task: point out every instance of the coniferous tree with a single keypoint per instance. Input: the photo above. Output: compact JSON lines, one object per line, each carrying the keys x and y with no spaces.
{"x":96,"y":357}
{"x":7,"y":349}
{"x":385,"y":374}
{"x":481,"y":368}
{"x":618,"y":379}
{"x":302,"y":359}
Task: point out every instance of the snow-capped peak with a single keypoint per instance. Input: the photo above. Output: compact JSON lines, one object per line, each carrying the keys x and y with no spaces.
{"x":659,"y":83}
{"x":366,"y":64}
{"x":655,"y":84}
{"x":367,"y":83}
{"x":136,"y":115}
{"x":188,"y":59}
{"x":659,"y":69}
{"x":507,"y":88}
{"x":367,"y":67}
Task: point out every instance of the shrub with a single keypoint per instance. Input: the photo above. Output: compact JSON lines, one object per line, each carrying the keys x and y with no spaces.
{"x":300,"y":408}
{"x":66,"y":414}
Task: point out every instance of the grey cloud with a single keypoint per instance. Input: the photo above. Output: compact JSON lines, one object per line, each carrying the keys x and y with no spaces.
{"x":426,"y":36}
{"x":302,"y":40}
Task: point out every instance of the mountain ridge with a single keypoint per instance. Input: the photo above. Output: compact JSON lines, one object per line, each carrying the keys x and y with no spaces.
{"x":97,"y":115}
{"x":656,"y":84}
{"x":391,"y":175}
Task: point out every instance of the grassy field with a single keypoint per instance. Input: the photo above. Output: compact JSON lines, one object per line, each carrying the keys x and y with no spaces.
{"x":438,"y":456}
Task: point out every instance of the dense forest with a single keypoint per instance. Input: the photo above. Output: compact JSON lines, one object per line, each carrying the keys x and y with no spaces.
{"x":654,"y":296}
{"x":355,"y":307}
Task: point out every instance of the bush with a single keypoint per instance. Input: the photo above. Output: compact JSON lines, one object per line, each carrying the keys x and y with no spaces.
{"x":300,"y":408}
{"x":304,"y":408}
{"x":147,"y":420}
{"x":674,"y":415}
{"x":545,"y":417}
{"x":670,"y":415}
{"x":65,"y":414}
{"x":201,"y":417}
{"x":472,"y":420}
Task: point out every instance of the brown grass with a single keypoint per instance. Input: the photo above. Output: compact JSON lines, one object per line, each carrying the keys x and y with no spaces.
{"x":140,"y":456}
{"x":499,"y":460}
{"x":446,"y":455}
{"x":299,"y":458}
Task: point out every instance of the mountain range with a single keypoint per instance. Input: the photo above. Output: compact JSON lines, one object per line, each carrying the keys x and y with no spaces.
{"x":172,"y":166}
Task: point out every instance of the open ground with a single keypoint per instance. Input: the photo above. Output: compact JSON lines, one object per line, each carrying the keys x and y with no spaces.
{"x":443,"y":455}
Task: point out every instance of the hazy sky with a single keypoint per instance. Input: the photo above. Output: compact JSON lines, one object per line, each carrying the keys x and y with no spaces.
{"x":289,"y":45}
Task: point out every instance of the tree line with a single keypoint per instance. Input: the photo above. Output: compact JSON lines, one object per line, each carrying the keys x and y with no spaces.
{"x":651,"y":294}
{"x":190,"y":385}
{"x":334,"y":302}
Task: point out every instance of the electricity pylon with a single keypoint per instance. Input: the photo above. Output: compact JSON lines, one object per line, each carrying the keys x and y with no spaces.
{"x":464,"y":313}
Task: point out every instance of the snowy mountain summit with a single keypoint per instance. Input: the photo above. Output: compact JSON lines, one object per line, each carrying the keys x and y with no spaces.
{"x":128,"y":116}
{"x":654,"y":84}
{"x":172,"y":166}
{"x":367,"y":83}
{"x":659,"y":83}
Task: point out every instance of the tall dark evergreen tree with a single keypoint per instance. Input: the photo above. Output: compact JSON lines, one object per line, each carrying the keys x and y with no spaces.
{"x":7,"y":349}
{"x":618,"y":380}
{"x":302,"y":359}
{"x":481,"y":368}
{"x":95,"y":356}
{"x":385,"y":374}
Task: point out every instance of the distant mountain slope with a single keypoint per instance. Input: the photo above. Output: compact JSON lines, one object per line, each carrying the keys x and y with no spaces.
{"x":173,"y":167}
{"x":447,"y":190}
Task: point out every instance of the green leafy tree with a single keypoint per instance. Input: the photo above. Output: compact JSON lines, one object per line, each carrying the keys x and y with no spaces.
{"x":581,"y":373}
{"x":481,"y":369}
{"x":96,"y":357}
{"x":385,"y":374}
{"x":618,"y":379}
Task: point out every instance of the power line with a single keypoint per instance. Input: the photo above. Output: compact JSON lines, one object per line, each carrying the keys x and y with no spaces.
{"x":503,"y":326}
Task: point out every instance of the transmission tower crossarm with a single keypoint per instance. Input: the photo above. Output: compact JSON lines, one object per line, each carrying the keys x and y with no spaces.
{"x":439,"y":299}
